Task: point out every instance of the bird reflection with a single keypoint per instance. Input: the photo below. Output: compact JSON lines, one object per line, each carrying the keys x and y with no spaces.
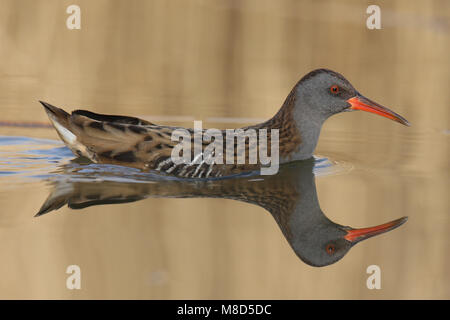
{"x":290,"y":196}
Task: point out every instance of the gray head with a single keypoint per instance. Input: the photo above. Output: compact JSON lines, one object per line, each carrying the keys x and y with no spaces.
{"x":327,"y":242}
{"x":294,"y":204}
{"x":319,"y":95}
{"x":322,"y":93}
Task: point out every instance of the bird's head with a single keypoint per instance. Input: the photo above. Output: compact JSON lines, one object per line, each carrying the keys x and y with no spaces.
{"x":323,"y":93}
{"x":328,"y":243}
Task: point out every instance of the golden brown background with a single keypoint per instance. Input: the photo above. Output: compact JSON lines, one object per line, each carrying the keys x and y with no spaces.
{"x":214,"y":60}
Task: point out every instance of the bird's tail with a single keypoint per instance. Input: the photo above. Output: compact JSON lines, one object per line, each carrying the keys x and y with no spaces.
{"x":60,"y":120}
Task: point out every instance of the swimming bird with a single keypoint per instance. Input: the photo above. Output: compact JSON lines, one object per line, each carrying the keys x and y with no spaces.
{"x":138,"y":143}
{"x":290,"y":196}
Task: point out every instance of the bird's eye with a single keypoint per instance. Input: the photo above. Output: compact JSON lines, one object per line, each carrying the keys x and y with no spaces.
{"x":330,"y":248}
{"x":334,"y":89}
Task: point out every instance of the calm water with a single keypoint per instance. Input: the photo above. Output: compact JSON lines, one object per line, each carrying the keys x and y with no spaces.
{"x":136,"y":235}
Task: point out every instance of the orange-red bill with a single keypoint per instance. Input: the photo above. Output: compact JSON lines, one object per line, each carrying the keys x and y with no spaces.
{"x":362,"y":103}
{"x":356,"y":235}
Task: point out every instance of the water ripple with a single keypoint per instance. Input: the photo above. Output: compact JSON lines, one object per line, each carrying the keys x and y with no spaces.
{"x":28,"y":158}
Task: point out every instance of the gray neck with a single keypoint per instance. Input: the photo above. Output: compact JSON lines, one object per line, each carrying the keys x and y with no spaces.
{"x":309,"y":125}
{"x":307,"y":209}
{"x":308,"y":224}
